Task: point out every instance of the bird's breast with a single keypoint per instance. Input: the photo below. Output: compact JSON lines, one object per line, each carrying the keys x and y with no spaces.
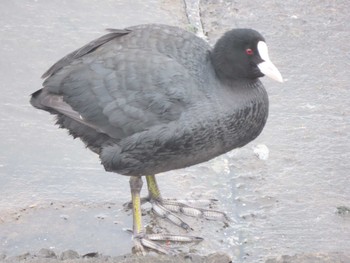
{"x":217,"y":130}
{"x":235,"y":116}
{"x":203,"y":133}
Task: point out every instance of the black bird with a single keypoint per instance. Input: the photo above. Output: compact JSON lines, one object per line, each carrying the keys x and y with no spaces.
{"x":153,"y":98}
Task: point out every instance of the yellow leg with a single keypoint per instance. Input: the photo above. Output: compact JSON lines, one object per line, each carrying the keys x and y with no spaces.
{"x":135,"y":187}
{"x":152,"y":186}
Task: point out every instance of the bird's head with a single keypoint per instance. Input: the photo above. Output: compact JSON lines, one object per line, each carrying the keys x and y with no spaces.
{"x":243,"y":54}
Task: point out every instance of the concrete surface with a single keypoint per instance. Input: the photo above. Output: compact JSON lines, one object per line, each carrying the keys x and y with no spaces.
{"x":292,"y":207}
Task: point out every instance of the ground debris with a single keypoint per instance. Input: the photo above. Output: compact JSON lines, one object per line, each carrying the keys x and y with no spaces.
{"x":71,"y":256}
{"x":343,"y":210}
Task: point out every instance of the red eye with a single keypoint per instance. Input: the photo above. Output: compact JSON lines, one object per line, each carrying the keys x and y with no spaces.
{"x":249,"y":51}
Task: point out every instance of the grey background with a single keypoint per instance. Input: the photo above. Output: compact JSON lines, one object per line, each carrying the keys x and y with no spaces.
{"x":55,"y":194}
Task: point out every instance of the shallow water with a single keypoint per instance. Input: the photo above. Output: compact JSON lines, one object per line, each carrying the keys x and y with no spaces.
{"x":54,"y":193}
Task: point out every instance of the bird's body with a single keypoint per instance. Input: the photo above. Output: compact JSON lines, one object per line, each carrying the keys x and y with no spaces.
{"x":154,"y":98}
{"x":148,"y":101}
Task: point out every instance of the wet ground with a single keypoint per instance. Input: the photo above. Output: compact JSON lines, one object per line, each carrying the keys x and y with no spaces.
{"x":55,"y":195}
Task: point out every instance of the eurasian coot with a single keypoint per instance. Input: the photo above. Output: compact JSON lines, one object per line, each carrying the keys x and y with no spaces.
{"x":153,"y":98}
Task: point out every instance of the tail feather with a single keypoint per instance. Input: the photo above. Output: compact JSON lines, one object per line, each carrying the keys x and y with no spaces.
{"x":54,"y":104}
{"x":35,"y":100}
{"x":92,"y":136}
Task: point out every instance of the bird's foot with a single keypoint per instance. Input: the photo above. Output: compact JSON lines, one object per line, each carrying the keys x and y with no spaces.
{"x":149,"y":241}
{"x":166,"y":208}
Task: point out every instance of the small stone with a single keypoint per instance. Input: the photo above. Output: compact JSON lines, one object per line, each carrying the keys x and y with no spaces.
{"x":343,"y":210}
{"x":91,"y":255}
{"x":218,"y":258}
{"x":69,"y":254}
{"x":101,"y":216}
{"x":23,"y":256}
{"x":193,"y":258}
{"x":261,"y":151}
{"x":65,"y":217}
{"x":46,"y":253}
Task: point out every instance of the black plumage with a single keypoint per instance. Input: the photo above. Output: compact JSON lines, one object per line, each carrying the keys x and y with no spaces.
{"x":154,"y":98}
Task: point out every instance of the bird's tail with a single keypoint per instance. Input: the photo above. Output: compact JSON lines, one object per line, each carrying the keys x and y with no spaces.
{"x":43,"y":100}
{"x":53,"y":103}
{"x":36,"y":100}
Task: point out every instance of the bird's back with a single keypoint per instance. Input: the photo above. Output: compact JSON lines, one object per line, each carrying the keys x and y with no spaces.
{"x":124,"y":83}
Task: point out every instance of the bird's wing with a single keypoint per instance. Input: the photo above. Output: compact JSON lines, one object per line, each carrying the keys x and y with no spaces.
{"x":88,"y":48}
{"x":123,"y":91}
